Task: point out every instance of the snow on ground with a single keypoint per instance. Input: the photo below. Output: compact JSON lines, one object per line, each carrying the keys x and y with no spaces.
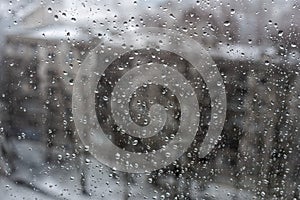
{"x":61,"y":179}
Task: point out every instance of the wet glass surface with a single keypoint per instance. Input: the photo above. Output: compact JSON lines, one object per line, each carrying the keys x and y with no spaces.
{"x":149,"y":99}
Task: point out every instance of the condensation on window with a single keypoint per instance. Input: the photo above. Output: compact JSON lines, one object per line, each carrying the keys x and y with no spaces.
{"x":149,"y":99}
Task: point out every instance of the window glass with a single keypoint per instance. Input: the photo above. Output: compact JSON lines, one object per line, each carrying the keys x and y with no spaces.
{"x":149,"y":99}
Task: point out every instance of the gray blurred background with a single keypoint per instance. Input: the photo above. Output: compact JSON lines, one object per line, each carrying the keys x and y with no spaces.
{"x":255,"y":45}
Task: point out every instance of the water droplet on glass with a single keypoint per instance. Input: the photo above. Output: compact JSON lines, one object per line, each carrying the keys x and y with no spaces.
{"x":226,"y":23}
{"x":118,"y":156}
{"x":87,"y":161}
{"x":105,"y":98}
{"x":172,"y":16}
{"x":49,"y":10}
{"x":71,"y":82}
{"x":135,"y":142}
{"x":267,"y":62}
